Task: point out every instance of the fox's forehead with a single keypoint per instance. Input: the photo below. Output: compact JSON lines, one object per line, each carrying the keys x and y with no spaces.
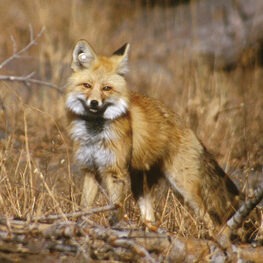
{"x":104,"y":65}
{"x":101,"y":68}
{"x":99,"y":75}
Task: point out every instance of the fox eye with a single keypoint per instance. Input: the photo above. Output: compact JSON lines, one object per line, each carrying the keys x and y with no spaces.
{"x":107,"y":88}
{"x":86,"y":85}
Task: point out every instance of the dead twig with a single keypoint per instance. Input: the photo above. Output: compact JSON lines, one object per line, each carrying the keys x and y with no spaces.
{"x":26,"y":79}
{"x":17,"y":54}
{"x":223,"y":239}
{"x":241,"y":214}
{"x":103,"y":243}
{"x":136,"y":248}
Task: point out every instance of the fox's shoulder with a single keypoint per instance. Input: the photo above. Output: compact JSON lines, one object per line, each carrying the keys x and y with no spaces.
{"x":154,"y":109}
{"x":146,"y":102}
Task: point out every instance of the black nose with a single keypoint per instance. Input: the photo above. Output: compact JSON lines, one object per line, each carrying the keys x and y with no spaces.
{"x":94,"y":104}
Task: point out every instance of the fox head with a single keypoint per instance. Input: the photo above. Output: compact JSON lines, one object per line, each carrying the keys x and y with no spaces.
{"x":97,"y":87}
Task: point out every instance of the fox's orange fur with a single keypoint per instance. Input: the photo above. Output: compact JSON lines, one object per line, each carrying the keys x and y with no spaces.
{"x":121,"y":135}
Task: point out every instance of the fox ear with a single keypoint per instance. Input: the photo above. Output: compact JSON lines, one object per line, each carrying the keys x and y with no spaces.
{"x":122,"y":55}
{"x":83,"y":55}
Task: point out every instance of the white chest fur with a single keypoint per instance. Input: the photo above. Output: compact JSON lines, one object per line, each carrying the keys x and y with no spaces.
{"x":93,"y":139}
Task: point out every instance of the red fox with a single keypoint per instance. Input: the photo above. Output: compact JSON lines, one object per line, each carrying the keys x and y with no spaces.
{"x":122,"y":136}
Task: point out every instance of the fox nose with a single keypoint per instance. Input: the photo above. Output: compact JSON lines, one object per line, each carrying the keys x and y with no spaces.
{"x":94,"y":104}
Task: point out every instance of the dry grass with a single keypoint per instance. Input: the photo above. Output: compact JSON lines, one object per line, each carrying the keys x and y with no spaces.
{"x":37,"y":174}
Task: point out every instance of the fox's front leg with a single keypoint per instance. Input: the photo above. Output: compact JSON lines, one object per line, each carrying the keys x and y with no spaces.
{"x":116,"y":181}
{"x":90,"y":190}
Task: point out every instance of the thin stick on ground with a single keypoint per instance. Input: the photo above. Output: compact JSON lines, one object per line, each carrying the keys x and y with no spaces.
{"x":241,"y":214}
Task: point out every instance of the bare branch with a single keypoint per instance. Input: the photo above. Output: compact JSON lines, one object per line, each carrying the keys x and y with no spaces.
{"x":17,"y":54}
{"x":17,"y":78}
{"x":27,"y":79}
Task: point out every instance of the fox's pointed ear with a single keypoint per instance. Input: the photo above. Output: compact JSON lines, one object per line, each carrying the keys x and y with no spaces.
{"x":83,"y":55}
{"x":122,"y":54}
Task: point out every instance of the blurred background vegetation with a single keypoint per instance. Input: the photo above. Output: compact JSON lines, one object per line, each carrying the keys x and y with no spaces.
{"x":201,"y":58}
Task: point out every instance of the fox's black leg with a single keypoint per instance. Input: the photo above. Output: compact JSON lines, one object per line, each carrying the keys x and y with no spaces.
{"x":142,"y":194}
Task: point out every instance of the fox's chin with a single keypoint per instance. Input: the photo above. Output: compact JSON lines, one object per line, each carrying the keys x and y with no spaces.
{"x":94,"y":113}
{"x":93,"y":110}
